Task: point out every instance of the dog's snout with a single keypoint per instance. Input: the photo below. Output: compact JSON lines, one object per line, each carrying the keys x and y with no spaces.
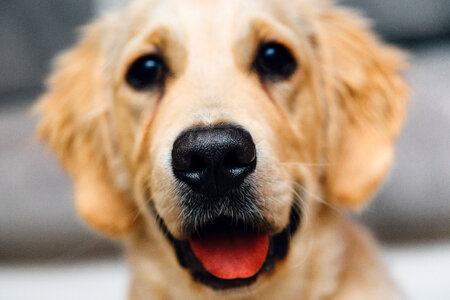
{"x":213,"y":160}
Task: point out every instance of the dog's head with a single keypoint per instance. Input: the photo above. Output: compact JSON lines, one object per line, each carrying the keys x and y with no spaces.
{"x":218,"y":123}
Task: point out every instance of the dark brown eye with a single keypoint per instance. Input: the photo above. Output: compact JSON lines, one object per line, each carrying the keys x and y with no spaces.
{"x":146,"y":72}
{"x":274,"y":61}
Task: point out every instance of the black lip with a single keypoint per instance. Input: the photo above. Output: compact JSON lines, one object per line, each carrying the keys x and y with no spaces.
{"x":278,"y":250}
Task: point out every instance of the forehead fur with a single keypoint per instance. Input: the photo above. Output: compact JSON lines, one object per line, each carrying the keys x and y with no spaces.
{"x":225,"y":19}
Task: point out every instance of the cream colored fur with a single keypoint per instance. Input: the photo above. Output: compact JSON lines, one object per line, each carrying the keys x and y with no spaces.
{"x":325,"y":135}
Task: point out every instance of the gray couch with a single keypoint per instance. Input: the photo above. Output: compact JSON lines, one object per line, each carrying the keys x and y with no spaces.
{"x":407,"y":20}
{"x":30,"y":34}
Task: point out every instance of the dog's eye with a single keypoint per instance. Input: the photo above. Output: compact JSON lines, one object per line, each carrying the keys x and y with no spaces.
{"x":146,"y":72}
{"x":274,"y":61}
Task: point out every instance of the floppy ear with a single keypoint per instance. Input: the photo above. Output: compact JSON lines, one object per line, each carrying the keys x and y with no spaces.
{"x":366,"y":99}
{"x":75,"y":124}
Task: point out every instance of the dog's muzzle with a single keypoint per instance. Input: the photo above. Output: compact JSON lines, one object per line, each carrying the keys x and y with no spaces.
{"x":226,"y":240}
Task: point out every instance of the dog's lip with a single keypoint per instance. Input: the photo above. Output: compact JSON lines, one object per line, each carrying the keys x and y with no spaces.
{"x":278,"y":249}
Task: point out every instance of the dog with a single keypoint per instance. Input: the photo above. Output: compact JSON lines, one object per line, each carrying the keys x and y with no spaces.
{"x":222,"y":142}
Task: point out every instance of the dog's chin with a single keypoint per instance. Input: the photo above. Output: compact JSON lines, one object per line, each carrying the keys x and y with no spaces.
{"x":226,"y":254}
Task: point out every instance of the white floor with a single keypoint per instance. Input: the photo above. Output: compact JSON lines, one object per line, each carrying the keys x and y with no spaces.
{"x":423,"y":273}
{"x":90,"y":280}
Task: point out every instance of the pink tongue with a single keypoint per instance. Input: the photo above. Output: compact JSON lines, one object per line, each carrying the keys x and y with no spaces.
{"x":231,"y":255}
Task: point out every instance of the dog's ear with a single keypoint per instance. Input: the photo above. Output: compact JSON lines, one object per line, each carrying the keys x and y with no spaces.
{"x":366,"y":98}
{"x":75,"y":124}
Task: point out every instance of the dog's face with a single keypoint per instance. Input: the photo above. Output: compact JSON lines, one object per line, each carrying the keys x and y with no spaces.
{"x":221,"y":121}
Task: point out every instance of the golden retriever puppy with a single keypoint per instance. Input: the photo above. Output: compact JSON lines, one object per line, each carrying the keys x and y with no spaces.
{"x":222,"y":141}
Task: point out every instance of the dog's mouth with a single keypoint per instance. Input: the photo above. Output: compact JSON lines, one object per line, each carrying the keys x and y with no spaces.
{"x":230,"y":252}
{"x":225,"y":253}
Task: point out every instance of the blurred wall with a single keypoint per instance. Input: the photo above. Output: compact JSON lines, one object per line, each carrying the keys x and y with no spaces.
{"x":407,"y":20}
{"x":31,"y":33}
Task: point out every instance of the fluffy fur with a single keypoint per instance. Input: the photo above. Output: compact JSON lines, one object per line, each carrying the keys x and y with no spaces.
{"x":325,"y":136}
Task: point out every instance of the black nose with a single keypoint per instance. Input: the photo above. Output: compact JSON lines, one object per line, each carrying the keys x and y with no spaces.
{"x":213,"y":160}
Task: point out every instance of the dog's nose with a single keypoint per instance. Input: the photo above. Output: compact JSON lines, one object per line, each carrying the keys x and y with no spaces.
{"x":213,"y":160}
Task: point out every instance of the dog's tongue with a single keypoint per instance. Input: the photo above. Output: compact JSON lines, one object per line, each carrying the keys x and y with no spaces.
{"x":231,"y":255}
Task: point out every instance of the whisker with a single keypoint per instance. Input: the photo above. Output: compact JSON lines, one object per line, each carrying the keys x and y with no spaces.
{"x":317,"y":198}
{"x":304,"y":164}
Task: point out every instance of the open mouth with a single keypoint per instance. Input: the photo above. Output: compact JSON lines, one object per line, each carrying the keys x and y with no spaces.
{"x":230,"y":252}
{"x":225,"y":254}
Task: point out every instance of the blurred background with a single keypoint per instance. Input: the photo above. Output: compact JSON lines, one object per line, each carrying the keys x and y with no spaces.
{"x":47,"y":252}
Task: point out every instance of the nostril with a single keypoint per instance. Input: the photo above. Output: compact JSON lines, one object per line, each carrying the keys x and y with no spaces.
{"x":189,"y":163}
{"x":180,"y":162}
{"x":230,"y":161}
{"x":198,"y":164}
{"x":247,"y":155}
{"x":236,"y":160}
